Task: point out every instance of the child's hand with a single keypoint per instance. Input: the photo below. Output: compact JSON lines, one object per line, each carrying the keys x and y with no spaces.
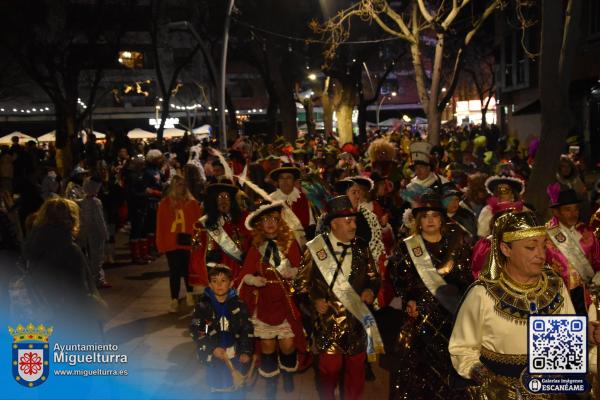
{"x":219,"y":352}
{"x":244,"y":358}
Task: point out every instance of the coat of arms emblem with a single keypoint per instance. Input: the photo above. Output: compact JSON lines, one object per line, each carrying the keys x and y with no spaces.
{"x":417,"y":251}
{"x":30,"y":349}
{"x":321,"y":254}
{"x":560,"y":237}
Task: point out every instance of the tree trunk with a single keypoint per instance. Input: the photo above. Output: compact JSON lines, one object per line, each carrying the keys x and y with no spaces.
{"x":556,"y":62}
{"x":327,"y":103}
{"x":344,"y":111}
{"x":483,"y":120}
{"x":65,"y":135}
{"x":362,"y":121}
{"x":287,"y":113}
{"x":272,"y":115}
{"x":309,"y":109}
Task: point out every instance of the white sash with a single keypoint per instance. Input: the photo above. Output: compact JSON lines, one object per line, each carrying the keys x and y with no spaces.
{"x":572,"y":251}
{"x":433,"y":281}
{"x":222,"y":238}
{"x":295,"y":225}
{"x":327,"y":264}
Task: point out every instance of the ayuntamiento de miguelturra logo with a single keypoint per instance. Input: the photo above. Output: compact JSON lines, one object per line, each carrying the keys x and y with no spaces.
{"x":30,"y":354}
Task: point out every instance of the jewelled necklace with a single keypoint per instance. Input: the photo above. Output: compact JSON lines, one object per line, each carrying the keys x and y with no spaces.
{"x":527,"y":292}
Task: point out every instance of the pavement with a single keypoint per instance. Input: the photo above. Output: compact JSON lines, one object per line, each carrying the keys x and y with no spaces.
{"x":161,"y":352}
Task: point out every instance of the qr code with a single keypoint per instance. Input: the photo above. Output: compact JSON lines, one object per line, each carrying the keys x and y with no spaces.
{"x":557,"y":344}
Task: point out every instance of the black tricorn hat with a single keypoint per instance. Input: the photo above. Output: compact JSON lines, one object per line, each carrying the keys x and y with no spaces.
{"x":338,"y":207}
{"x":343,"y":185}
{"x":429,"y":202}
{"x":224,"y":185}
{"x":285,"y":169}
{"x":565,"y":197}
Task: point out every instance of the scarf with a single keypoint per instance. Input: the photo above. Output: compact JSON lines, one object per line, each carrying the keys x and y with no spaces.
{"x":226,"y":338}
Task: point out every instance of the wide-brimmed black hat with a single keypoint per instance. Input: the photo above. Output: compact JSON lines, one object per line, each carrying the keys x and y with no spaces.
{"x":429,"y":202}
{"x":224,"y":185}
{"x":516,"y":184}
{"x":343,"y":185}
{"x":566,"y":197}
{"x":339,"y":207}
{"x":267,"y":208}
{"x":285,"y":169}
{"x":449,"y":189}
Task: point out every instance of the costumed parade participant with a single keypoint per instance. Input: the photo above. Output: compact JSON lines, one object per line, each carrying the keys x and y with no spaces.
{"x":430,"y":270}
{"x":368,"y":227}
{"x":339,"y":281}
{"x":502,"y":188}
{"x":573,"y":250}
{"x":177,"y":213}
{"x":270,"y":265}
{"x":481,"y":250}
{"x":302,"y":222}
{"x":220,"y":236}
{"x":451,"y":198}
{"x":489,"y":339}
{"x":222,"y":331}
{"x":420,"y":154}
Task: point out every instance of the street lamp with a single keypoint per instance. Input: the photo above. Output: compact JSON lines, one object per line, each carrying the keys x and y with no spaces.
{"x":393,"y":94}
{"x":312,"y":77}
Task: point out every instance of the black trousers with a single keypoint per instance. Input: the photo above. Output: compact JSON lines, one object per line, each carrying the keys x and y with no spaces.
{"x":178,"y":261}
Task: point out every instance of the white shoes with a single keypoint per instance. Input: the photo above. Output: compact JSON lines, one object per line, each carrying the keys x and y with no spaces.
{"x":189,"y":299}
{"x":174,"y":306}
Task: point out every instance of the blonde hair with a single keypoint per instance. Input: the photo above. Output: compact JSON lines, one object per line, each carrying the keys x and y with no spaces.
{"x":171,"y":192}
{"x":58,"y":211}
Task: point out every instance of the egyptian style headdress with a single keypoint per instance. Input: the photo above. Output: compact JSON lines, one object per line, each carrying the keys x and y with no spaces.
{"x":508,"y":228}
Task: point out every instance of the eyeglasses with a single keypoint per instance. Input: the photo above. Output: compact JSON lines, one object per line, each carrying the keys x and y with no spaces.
{"x":271,"y":218}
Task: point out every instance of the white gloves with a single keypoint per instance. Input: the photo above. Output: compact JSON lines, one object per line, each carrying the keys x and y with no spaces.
{"x":252,"y":280}
{"x":288,"y":272}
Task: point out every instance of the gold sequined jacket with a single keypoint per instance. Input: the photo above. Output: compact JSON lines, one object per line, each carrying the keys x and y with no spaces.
{"x":337,"y":331}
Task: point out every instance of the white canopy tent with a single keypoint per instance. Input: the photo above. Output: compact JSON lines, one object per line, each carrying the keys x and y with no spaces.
{"x":23,"y":138}
{"x":204,"y":129}
{"x":391,"y":122}
{"x":138,"y":133}
{"x":173,"y":132}
{"x":99,"y":135}
{"x":51,"y":136}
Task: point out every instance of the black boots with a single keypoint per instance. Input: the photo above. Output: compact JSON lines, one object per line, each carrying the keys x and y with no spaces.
{"x":288,"y":363}
{"x":270,"y":371}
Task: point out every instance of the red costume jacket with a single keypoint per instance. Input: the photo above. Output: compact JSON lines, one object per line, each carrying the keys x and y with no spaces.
{"x":272,"y":303}
{"x":205,"y":249}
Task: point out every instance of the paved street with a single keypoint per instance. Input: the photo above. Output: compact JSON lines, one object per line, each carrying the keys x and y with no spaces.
{"x":160,"y":350}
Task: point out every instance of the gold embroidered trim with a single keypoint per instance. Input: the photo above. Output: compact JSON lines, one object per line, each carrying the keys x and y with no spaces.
{"x":511,"y":359}
{"x":512,"y":302}
{"x":524,"y":234}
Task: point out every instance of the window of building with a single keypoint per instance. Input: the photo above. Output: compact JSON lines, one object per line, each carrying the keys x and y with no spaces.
{"x":131,"y":59}
{"x":514,"y":64}
{"x":389,"y":86}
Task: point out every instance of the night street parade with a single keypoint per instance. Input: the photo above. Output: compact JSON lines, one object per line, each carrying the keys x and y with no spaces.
{"x":298,"y":200}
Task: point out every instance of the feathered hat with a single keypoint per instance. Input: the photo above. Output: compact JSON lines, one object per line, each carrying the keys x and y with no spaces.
{"x":267,"y":208}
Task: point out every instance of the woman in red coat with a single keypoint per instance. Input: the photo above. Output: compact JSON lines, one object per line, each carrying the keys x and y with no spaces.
{"x":265,"y":285}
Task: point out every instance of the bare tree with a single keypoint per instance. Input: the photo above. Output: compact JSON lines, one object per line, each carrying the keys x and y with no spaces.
{"x":417,"y":22}
{"x":54,"y":44}
{"x":558,"y":44}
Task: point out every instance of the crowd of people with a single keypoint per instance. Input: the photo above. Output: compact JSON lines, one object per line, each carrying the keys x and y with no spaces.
{"x":320,"y":253}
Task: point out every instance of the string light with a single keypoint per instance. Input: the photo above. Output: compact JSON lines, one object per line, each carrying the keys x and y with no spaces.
{"x":32,"y":110}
